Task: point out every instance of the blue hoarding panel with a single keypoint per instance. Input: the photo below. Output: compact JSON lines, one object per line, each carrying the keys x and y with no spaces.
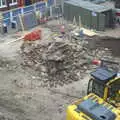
{"x":50,"y":2}
{"x":6,"y":15}
{"x":14,"y":18}
{"x":28,"y":9}
{"x":16,"y":12}
{"x":39,"y":5}
{"x":6,"y":21}
{"x":30,"y":20}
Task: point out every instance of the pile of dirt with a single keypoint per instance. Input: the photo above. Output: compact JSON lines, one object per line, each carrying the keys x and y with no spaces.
{"x":60,"y":62}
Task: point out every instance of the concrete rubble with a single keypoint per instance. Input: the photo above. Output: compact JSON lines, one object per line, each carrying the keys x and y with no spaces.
{"x":59,"y":62}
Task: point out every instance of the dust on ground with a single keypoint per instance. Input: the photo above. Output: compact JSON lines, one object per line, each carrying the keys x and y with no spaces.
{"x":24,"y":92}
{"x":111,"y":32}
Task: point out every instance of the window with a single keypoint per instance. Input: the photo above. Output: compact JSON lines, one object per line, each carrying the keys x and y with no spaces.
{"x":2,"y":3}
{"x":98,"y":88}
{"x":13,"y":2}
{"x":95,"y":87}
{"x":114,"y":88}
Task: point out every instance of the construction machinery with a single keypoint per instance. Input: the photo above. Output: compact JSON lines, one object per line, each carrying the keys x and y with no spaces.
{"x":92,"y":107}
{"x":105,"y":82}
{"x":103,"y":99}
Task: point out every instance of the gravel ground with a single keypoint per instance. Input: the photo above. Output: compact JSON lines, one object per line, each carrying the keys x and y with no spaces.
{"x":21,"y":95}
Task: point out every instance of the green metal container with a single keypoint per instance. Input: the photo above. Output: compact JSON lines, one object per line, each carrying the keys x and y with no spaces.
{"x":101,"y":22}
{"x":94,"y":20}
{"x":92,"y":16}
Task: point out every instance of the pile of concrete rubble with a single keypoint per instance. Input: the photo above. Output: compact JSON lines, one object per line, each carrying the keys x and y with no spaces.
{"x":60,"y":62}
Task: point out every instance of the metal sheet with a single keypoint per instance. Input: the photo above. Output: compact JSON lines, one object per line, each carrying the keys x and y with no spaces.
{"x":70,"y":13}
{"x":6,"y":15}
{"x":39,"y":4}
{"x":16,"y":12}
{"x":101,"y":22}
{"x":87,"y":18}
{"x":89,"y":5}
{"x":108,"y":18}
{"x":50,"y":2}
{"x":6,"y":21}
{"x":66,"y":11}
{"x":94,"y":20}
{"x":76,"y":13}
{"x":29,"y":20}
{"x":28,"y":9}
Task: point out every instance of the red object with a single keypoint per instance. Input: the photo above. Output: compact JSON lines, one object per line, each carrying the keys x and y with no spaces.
{"x":43,"y":20}
{"x":62,"y":29}
{"x":35,"y":35}
{"x":117,"y":14}
{"x":96,"y":62}
{"x":20,"y":3}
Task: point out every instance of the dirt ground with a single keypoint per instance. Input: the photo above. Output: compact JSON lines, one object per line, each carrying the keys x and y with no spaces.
{"x":28,"y":102}
{"x":20,"y":101}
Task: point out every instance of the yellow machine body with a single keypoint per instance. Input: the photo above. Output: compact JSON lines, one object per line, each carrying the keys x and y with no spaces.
{"x":116,"y":99}
{"x":108,"y":87}
{"x":72,"y":114}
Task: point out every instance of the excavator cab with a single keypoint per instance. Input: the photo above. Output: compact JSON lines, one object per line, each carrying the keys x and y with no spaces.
{"x":103,"y":93}
{"x":92,"y":107}
{"x":105,"y":83}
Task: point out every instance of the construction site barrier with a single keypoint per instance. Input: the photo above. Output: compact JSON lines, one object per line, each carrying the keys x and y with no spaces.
{"x":11,"y":15}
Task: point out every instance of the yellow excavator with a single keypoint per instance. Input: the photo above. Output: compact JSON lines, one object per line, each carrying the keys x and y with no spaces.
{"x":103,"y":99}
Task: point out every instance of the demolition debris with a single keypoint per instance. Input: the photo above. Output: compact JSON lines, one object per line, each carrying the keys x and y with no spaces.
{"x":59,"y":62}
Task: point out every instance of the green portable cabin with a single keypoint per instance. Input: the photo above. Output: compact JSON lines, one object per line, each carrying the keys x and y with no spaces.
{"x":92,"y":16}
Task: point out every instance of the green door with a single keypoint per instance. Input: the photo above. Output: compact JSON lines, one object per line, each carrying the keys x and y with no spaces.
{"x":94,"y":19}
{"x":101,"y":22}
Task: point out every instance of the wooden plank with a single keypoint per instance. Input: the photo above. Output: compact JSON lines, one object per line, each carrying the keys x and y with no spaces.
{"x":21,"y":22}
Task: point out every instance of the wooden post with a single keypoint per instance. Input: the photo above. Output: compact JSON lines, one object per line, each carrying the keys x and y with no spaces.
{"x":74,"y":21}
{"x":51,"y":11}
{"x":21,"y":22}
{"x":80,"y":24}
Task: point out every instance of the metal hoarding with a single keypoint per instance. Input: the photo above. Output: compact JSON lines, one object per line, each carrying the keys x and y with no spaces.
{"x":87,"y":18}
{"x":108,"y":18}
{"x":28,"y":9}
{"x":73,"y":13}
{"x":89,"y":13}
{"x":70,"y":13}
{"x":66,"y":11}
{"x":101,"y":22}
{"x":94,"y":20}
{"x":81,"y":14}
{"x":77,"y":14}
{"x":12,"y":14}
